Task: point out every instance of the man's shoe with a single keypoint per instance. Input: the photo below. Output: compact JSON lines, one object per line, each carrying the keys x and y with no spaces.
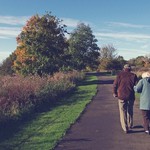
{"x":127,"y":131}
{"x":131,"y":127}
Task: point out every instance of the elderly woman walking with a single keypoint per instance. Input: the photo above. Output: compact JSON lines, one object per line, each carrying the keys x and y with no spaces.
{"x":143,"y":87}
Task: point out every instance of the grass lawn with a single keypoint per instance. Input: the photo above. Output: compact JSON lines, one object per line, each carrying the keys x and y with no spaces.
{"x":45,"y":129}
{"x":137,"y":95}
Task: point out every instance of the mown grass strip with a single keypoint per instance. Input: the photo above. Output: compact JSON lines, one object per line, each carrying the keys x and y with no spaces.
{"x":137,"y":96}
{"x":49,"y":127}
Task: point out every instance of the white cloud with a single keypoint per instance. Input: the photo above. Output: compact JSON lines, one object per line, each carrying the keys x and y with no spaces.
{"x":123,"y":35}
{"x":128,"y":25}
{"x":133,"y":50}
{"x":9,"y":32}
{"x":129,"y":53}
{"x":12,"y":20}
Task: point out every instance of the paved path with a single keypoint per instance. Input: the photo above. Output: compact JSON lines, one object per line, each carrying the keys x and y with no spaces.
{"x":99,"y":128}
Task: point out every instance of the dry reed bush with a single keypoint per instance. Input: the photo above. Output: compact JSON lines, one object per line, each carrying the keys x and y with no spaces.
{"x":54,"y":90}
{"x":72,"y":76}
{"x":19,"y":94}
{"x":59,"y":84}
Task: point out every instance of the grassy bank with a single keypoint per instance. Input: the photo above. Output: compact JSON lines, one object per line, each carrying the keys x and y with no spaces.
{"x":48,"y":127}
{"x":137,"y":95}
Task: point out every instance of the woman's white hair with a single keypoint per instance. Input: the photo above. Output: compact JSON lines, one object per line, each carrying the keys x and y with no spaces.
{"x":145,"y":74}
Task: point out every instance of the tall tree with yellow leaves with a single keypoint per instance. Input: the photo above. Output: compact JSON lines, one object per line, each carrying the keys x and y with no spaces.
{"x":41,"y":46}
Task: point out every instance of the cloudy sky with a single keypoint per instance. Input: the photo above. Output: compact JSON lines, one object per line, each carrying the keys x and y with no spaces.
{"x":123,"y":24}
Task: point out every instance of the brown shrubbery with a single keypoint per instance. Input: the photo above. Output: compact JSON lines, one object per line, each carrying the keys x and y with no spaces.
{"x":19,"y":94}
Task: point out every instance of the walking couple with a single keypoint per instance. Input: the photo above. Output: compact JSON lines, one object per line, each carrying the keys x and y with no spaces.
{"x":124,"y":87}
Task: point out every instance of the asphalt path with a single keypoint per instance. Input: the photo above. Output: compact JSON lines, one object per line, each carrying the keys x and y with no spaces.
{"x":98,"y":128}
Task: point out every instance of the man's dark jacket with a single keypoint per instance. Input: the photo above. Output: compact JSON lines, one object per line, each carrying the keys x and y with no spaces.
{"x":123,"y":85}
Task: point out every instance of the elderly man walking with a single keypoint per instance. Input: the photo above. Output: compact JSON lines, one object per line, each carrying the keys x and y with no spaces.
{"x":123,"y":89}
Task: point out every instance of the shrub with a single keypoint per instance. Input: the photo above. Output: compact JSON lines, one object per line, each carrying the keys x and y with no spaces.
{"x":20,"y":94}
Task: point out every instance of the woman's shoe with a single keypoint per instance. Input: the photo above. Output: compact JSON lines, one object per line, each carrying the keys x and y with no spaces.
{"x":147,"y":132}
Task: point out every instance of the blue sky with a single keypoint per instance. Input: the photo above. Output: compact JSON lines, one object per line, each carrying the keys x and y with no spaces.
{"x":125,"y":24}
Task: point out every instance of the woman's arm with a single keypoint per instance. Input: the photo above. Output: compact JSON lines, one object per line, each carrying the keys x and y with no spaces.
{"x":138,"y":88}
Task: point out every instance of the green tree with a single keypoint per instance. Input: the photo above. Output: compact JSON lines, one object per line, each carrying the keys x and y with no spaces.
{"x":6,"y":67}
{"x":83,"y":48}
{"x":41,"y":46}
{"x":109,"y":60}
{"x":120,"y":62}
{"x":117,"y":63}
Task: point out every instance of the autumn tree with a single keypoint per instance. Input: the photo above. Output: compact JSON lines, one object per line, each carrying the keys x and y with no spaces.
{"x":41,"y":46}
{"x":107,"y":55}
{"x":83,"y":48}
{"x":108,"y":51}
{"x":146,"y":60}
{"x":138,"y":62}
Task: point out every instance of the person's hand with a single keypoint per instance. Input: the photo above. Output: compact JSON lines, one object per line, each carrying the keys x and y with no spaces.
{"x":114,"y":95}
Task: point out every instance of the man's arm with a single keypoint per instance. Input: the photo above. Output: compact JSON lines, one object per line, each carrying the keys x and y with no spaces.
{"x":115,"y":87}
{"x":135,"y":80}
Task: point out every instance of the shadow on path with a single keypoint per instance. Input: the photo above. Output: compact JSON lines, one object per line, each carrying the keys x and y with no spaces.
{"x":99,"y":80}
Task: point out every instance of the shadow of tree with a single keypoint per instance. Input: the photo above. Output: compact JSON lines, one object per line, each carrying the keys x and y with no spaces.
{"x":98,"y":81}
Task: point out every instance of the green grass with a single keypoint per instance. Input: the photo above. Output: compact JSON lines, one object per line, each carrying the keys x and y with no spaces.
{"x":47,"y":128}
{"x":137,"y":95}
